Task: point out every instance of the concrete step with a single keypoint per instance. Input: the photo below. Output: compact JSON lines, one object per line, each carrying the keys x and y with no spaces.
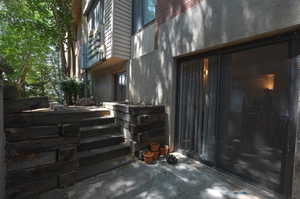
{"x":101,"y":141}
{"x":96,"y":156}
{"x":99,"y":130}
{"x":98,"y":168}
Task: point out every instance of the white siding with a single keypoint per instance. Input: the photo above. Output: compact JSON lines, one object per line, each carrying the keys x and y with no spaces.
{"x":117,"y":28}
{"x":108,"y":27}
{"x":122,"y":28}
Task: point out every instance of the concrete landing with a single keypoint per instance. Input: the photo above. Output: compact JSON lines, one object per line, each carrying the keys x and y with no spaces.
{"x":189,"y":179}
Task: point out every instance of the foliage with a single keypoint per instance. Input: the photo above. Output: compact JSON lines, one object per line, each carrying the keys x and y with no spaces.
{"x":31,"y":34}
{"x":70,"y":86}
{"x":72,"y":89}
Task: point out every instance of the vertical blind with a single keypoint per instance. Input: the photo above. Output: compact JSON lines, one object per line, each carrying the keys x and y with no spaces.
{"x":197,"y":106}
{"x":190,"y":101}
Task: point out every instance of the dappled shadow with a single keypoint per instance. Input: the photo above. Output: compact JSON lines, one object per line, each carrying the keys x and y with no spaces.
{"x":208,"y":25}
{"x":187,"y":179}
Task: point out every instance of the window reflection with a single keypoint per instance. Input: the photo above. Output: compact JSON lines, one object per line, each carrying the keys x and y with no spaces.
{"x":257,"y":114}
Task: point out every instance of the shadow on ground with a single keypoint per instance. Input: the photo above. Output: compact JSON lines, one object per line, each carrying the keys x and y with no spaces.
{"x":188,"y":180}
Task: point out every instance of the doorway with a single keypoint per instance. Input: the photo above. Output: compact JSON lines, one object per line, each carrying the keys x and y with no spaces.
{"x":120,"y":89}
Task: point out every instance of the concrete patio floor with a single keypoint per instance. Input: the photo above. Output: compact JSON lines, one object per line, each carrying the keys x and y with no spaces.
{"x":189,"y":179}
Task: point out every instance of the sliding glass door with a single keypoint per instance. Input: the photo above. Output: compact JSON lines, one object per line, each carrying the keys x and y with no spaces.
{"x":197,"y":104}
{"x":233,"y":111}
{"x":255,"y":113}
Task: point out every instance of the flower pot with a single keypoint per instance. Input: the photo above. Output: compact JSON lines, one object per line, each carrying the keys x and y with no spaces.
{"x":148,"y":157}
{"x":156,"y":155}
{"x":164,"y":150}
{"x":154,"y":147}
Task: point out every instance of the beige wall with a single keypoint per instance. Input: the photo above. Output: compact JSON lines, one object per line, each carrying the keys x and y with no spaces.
{"x":103,"y":86}
{"x":103,"y":80}
{"x":143,"y":42}
{"x":210,"y":24}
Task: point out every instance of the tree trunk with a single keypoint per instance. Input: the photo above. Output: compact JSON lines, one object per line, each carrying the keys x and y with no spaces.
{"x":73,"y":59}
{"x":63,"y":59}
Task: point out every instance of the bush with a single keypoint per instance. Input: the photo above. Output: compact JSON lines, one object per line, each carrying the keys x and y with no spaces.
{"x":71,"y":89}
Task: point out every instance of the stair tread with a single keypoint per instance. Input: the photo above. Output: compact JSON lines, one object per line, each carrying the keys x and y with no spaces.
{"x":103,"y":150}
{"x":98,"y":118}
{"x":99,"y":130}
{"x":97,"y":127}
{"x":95,"y":121}
{"x":101,"y":137}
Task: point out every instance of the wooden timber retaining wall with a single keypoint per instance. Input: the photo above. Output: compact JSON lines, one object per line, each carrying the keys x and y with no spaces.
{"x":40,"y":159}
{"x":42,"y":150}
{"x":142,"y":123}
{"x":41,"y":147}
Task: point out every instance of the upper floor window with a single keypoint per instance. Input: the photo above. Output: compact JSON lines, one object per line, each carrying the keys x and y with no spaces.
{"x":95,"y":15}
{"x":143,"y":13}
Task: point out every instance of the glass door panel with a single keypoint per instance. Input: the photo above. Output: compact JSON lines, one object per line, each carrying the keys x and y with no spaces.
{"x":197,"y":107}
{"x":255,"y":120}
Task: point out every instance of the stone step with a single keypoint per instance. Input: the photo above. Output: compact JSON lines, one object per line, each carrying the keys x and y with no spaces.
{"x":100,"y":141}
{"x":96,"y":156}
{"x":95,"y":169}
{"x":99,"y":130}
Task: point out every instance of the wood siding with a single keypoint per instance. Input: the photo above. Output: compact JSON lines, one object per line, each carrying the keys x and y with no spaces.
{"x":122,"y":15}
{"x":116,"y":30}
{"x":108,"y":27}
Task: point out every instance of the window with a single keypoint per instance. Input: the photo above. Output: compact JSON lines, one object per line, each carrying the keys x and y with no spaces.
{"x":95,"y":16}
{"x":83,"y":56}
{"x":256,"y":114}
{"x":143,"y":13}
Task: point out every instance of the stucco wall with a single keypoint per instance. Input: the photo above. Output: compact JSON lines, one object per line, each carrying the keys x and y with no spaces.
{"x":2,"y":145}
{"x":143,"y":42}
{"x":209,"y":24}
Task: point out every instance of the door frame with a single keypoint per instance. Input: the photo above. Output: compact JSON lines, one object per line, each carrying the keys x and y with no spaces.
{"x":115,"y":84}
{"x":292,"y":38}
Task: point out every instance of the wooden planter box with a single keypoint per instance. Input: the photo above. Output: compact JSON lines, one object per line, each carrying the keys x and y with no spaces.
{"x":142,"y":123}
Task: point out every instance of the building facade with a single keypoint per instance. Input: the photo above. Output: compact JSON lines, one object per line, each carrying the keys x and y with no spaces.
{"x":227,"y":72}
{"x":103,"y":39}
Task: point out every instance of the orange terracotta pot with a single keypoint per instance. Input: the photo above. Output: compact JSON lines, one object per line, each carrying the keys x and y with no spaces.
{"x":164,"y":150}
{"x":154,"y":147}
{"x":148,"y":157}
{"x":156,"y":155}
